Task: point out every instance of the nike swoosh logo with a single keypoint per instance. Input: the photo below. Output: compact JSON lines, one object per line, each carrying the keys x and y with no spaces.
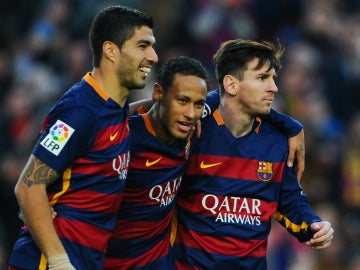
{"x":113,"y":136}
{"x":150,"y":163}
{"x":205,"y":166}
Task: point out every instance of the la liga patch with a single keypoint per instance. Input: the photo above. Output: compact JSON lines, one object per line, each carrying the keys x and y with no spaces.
{"x":57,"y":138}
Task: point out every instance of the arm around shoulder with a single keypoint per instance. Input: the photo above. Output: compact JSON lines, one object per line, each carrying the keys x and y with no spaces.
{"x":296,"y":139}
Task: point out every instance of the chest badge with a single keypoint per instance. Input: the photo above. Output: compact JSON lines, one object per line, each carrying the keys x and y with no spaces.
{"x":265,"y":171}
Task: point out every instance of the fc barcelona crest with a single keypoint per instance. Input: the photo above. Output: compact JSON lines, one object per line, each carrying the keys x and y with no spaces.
{"x":264,"y":171}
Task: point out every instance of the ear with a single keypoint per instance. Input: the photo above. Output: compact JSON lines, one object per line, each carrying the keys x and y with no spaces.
{"x":157,"y":92}
{"x":230,"y":85}
{"x":109,"y":50}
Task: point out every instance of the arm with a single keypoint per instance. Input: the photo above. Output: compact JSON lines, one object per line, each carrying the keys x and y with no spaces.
{"x":296,"y":215}
{"x":30,"y":192}
{"x":297,"y":147}
{"x":295,"y":132}
{"x":143,"y":103}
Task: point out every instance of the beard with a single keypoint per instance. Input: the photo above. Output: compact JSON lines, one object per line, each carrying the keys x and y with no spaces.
{"x":128,"y":79}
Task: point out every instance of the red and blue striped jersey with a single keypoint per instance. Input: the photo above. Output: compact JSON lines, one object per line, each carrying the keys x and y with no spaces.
{"x":141,"y":239}
{"x":231,"y":190}
{"x":86,"y":139}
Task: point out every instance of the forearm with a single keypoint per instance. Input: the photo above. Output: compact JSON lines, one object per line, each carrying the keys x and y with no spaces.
{"x":145,"y":103}
{"x":36,"y":212}
{"x":32,"y":197}
{"x":294,"y":210}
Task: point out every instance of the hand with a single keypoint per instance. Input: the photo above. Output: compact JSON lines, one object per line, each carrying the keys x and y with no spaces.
{"x":323,"y":234}
{"x":297,"y":146}
{"x":53,"y":213}
{"x":195,"y":129}
{"x":21,"y":216}
{"x":198,"y":128}
{"x":60,"y":262}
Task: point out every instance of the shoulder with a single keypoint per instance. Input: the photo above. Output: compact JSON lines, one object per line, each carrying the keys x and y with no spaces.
{"x":267,"y":128}
{"x":269,"y":133}
{"x":212,"y":102}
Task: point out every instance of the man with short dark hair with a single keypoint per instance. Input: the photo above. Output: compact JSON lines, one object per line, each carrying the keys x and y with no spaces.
{"x":237,"y":178}
{"x":79,"y":164}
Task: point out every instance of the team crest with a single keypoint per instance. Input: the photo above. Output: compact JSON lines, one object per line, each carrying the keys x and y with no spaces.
{"x":264,"y":171}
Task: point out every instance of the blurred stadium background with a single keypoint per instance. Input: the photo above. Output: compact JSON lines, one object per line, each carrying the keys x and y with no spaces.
{"x":44,"y":50}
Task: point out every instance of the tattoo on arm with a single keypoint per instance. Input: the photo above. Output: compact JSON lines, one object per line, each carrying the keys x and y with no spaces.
{"x":301,"y":147}
{"x":37,"y":172}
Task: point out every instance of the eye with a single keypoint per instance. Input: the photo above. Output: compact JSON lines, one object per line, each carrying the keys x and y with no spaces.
{"x":263,"y":77}
{"x":200,"y":105}
{"x":144,"y":44}
{"x":182,"y":100}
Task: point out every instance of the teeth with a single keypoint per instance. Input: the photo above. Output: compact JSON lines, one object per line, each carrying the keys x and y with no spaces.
{"x":145,"y":69}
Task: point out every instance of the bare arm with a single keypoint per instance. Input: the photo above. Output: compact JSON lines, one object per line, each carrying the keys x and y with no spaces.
{"x":297,"y":152}
{"x":30,"y":192}
{"x":145,"y":103}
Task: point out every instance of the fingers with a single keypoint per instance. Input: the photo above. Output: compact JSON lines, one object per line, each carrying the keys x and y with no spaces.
{"x":198,"y":128}
{"x":318,"y":244}
{"x":323,"y":236}
{"x":53,"y":212}
{"x":291,"y":156}
{"x":191,"y":133}
{"x":300,"y":168}
{"x":300,"y":155}
{"x":21,"y":216}
{"x":297,"y":152}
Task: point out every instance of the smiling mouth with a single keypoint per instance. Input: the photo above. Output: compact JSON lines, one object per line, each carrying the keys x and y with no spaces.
{"x":184,"y":126}
{"x":145,"y":69}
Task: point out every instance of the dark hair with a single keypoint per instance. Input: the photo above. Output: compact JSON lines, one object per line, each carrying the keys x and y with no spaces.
{"x":116,"y":24}
{"x":183,"y":65}
{"x":234,"y":55}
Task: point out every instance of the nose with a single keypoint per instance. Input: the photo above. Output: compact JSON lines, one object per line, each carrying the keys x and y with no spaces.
{"x":273,"y":87}
{"x":190,"y":111}
{"x":152,"y":56}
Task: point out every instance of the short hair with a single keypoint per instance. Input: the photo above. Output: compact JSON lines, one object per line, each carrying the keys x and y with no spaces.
{"x":116,"y":24}
{"x":234,"y":55}
{"x":183,"y":65}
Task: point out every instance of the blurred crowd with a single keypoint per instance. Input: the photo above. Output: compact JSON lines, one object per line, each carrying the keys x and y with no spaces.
{"x":44,"y":50}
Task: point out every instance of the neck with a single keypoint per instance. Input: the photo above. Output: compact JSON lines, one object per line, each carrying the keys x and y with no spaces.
{"x":238,"y":122}
{"x":161,"y":132}
{"x":110,"y":85}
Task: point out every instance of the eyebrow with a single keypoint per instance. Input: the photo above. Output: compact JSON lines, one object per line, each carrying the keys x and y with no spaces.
{"x":268,"y":74}
{"x":146,"y":41}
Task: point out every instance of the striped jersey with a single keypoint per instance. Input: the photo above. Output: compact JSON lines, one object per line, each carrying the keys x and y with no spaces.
{"x":141,"y":239}
{"x":86,"y":139}
{"x":231,"y":190}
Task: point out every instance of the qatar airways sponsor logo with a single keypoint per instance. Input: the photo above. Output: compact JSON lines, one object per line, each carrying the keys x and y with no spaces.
{"x":165,"y":193}
{"x":230,"y":209}
{"x":120,"y":165}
